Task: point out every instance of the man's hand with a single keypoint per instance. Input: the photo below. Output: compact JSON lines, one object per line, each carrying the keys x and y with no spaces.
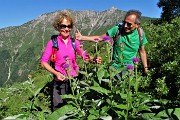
{"x":93,"y":60}
{"x":146,"y":70}
{"x":145,"y":73}
{"x":98,"y":60}
{"x":78,"y":35}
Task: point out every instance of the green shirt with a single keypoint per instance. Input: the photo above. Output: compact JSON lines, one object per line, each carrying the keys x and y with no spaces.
{"x":126,"y":47}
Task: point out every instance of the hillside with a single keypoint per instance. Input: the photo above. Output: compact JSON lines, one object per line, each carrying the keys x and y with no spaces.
{"x":21,"y":47}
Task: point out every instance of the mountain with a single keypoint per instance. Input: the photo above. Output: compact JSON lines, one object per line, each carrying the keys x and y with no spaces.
{"x":21,"y":47}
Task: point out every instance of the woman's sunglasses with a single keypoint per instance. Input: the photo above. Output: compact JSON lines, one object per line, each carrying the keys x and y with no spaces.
{"x":64,"y":26}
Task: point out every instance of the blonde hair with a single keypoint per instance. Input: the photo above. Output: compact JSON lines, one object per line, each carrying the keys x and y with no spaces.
{"x":59,"y":18}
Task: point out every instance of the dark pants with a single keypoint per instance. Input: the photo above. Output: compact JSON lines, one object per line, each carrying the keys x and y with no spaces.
{"x":59,"y":88}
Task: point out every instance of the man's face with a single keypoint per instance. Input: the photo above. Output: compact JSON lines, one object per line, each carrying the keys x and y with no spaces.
{"x":129,"y":23}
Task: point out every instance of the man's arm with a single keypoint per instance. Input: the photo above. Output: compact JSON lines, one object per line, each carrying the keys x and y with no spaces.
{"x":97,"y":38}
{"x":143,"y":56}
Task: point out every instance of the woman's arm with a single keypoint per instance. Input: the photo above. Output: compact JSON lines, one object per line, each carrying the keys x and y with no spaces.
{"x":44,"y":61}
{"x":53,"y":71}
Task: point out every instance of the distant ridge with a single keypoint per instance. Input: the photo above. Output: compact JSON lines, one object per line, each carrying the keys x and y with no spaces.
{"x":21,"y":46}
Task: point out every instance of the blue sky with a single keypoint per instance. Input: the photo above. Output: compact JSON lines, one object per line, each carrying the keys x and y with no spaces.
{"x":18,"y":12}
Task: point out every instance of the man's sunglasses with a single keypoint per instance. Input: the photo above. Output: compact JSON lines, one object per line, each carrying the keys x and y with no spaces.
{"x":64,"y":26}
{"x":129,"y":25}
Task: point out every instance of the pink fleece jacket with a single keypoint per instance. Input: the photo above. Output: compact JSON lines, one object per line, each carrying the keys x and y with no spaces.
{"x":64,"y":50}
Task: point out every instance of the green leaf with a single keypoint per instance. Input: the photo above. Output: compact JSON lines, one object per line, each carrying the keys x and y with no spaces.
{"x":173,"y":114}
{"x":91,"y":117}
{"x":143,"y":108}
{"x":100,"y":90}
{"x":94,"y":112}
{"x":83,"y":72}
{"x":124,"y":96}
{"x":121,"y":106}
{"x":14,"y":117}
{"x":37,"y":92}
{"x":105,"y":80}
{"x":67,"y":96}
{"x":61,"y":112}
{"x":83,"y":83}
{"x":96,"y":84}
{"x":100,"y":74}
{"x":120,"y":112}
{"x":81,"y":94}
{"x":104,"y":110}
{"x":150,"y":116}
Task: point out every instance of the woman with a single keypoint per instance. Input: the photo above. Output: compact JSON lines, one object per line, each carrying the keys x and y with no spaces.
{"x":65,"y":58}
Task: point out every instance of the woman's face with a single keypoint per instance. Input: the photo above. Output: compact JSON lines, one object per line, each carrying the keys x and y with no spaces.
{"x":65,"y":28}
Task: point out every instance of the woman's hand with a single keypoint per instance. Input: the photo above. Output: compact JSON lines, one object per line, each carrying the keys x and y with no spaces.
{"x":87,"y":58}
{"x":60,"y":76}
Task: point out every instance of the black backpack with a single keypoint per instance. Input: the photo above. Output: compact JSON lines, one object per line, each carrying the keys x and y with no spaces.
{"x":55,"y":48}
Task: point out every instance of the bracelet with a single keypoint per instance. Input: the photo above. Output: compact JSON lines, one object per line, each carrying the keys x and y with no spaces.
{"x":145,"y":67}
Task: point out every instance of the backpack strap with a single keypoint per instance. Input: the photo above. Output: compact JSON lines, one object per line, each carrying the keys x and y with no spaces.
{"x":117,"y":36}
{"x":55,"y":42}
{"x":118,"y":33}
{"x":54,"y":50}
{"x":140,"y":32}
{"x":73,"y":44}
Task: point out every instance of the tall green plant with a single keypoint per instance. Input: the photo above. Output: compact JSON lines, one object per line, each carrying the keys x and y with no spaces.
{"x":105,"y":96}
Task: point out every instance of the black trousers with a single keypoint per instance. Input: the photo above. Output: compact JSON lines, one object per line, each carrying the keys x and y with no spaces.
{"x":59,"y":88}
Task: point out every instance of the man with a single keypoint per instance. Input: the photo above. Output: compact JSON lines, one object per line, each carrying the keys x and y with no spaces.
{"x":129,"y":41}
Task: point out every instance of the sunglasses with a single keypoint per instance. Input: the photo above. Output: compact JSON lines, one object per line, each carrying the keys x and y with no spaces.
{"x":129,"y":25}
{"x":64,"y":26}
